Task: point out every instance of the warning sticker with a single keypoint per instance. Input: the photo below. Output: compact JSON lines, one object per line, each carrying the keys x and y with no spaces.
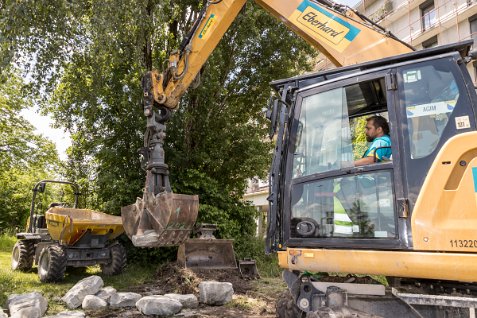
{"x":462,"y":122}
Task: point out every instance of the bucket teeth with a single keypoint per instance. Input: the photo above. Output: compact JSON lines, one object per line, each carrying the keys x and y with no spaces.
{"x":165,"y":219}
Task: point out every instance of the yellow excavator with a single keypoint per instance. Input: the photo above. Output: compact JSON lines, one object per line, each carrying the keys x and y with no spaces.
{"x":411,"y":218}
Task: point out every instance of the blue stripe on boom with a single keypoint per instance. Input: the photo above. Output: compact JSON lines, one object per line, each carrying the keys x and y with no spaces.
{"x":353,"y":31}
{"x":474,"y":175}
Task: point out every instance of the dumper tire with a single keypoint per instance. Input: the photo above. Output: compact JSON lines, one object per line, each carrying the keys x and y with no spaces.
{"x":52,"y":264}
{"x":22,"y":255}
{"x":286,"y":307}
{"x":117,"y":261}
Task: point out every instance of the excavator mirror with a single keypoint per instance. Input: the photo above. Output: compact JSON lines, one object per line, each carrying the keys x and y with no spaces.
{"x":272,"y":115}
{"x":471,"y":56}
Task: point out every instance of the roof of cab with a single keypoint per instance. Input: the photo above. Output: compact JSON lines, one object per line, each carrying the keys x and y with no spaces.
{"x":313,"y":78}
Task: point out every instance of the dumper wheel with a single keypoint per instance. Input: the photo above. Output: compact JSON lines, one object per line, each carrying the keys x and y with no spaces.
{"x":22,"y":255}
{"x":52,"y":264}
{"x":117,"y":262}
{"x":286,"y":307}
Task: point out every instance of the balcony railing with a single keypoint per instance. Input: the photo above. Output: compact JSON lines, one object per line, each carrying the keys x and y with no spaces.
{"x":440,"y":15}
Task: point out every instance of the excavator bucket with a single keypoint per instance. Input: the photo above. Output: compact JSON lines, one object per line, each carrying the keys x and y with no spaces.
{"x":248,"y":269}
{"x":165,"y":219}
{"x":207,"y":252}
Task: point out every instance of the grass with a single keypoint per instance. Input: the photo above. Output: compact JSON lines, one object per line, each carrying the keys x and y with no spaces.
{"x":270,"y":286}
{"x":18,"y":282}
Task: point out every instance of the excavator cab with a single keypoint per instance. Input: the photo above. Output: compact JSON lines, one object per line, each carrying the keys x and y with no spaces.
{"x":397,"y":217}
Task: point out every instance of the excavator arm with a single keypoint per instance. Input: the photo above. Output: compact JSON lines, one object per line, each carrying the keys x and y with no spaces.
{"x":342,"y":34}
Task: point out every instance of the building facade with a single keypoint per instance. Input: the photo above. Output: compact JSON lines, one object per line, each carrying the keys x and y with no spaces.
{"x":426,"y":23}
{"x":257,"y":194}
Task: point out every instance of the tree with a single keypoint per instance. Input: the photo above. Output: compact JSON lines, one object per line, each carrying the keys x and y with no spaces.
{"x":25,"y":157}
{"x":89,"y":67}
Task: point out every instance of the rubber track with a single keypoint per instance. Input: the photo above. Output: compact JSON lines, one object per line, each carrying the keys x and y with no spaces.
{"x":58,"y":260}
{"x":118,"y":261}
{"x":25,"y":257}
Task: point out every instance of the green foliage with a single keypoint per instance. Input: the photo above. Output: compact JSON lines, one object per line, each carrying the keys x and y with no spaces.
{"x":254,"y":247}
{"x":6,"y":242}
{"x":155,"y":256}
{"x":25,"y":157}
{"x":85,"y":59}
{"x":224,"y":208}
{"x":359,"y":136}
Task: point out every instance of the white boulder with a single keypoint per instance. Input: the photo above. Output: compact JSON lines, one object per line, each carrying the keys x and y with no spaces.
{"x":106,"y":293}
{"x":69,"y":314}
{"x":124,"y":300}
{"x":87,"y":286}
{"x":91,"y":302}
{"x":147,"y":239}
{"x":215,"y":293}
{"x":187,"y":301}
{"x":30,"y":305}
{"x":158,"y":305}
{"x":2,"y":314}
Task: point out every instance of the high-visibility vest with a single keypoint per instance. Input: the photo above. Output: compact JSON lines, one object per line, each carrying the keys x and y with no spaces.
{"x":341,"y":222}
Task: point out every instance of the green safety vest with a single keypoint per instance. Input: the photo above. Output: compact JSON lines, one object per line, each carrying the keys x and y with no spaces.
{"x":341,"y":222}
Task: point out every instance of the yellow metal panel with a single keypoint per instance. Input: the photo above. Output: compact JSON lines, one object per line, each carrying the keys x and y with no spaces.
{"x":445,"y":215}
{"x":448,"y":266}
{"x":69,"y":225}
{"x":345,"y":40}
{"x":217,"y":21}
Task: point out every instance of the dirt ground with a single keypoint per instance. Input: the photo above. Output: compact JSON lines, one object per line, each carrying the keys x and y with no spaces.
{"x":252,"y":298}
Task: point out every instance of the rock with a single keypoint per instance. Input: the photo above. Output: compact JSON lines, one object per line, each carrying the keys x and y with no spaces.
{"x":30,"y":305}
{"x":91,"y":302}
{"x":87,"y":286}
{"x":106,"y":293}
{"x":68,"y":314}
{"x":124,"y":300}
{"x":148,"y":239}
{"x":215,"y":293}
{"x":187,"y":313}
{"x":2,"y":314}
{"x":187,"y":301}
{"x":158,"y":305}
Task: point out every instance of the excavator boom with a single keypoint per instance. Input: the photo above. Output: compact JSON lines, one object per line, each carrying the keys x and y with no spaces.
{"x":339,"y":32}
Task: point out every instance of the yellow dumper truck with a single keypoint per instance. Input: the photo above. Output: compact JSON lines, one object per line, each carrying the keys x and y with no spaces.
{"x":68,"y":236}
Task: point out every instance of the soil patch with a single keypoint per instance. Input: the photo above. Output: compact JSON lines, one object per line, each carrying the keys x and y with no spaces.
{"x":171,"y":278}
{"x":252,"y":298}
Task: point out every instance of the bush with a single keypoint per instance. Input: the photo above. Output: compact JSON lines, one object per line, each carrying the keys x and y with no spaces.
{"x":153,"y":256}
{"x":254,"y":247}
{"x":7,"y":241}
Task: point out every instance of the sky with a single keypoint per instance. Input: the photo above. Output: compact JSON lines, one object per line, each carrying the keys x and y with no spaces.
{"x":43,"y":127}
{"x":61,"y":138}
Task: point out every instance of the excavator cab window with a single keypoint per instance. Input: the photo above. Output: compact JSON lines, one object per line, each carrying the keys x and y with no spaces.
{"x":327,"y":200}
{"x":430,"y":95}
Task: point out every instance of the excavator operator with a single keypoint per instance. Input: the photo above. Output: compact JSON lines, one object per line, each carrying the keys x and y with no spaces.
{"x":377,"y":132}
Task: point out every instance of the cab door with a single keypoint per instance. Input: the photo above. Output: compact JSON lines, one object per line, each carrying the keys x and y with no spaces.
{"x":328,"y":201}
{"x":435,"y":103}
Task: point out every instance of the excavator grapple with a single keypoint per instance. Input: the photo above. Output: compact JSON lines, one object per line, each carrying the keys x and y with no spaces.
{"x":165,"y":219}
